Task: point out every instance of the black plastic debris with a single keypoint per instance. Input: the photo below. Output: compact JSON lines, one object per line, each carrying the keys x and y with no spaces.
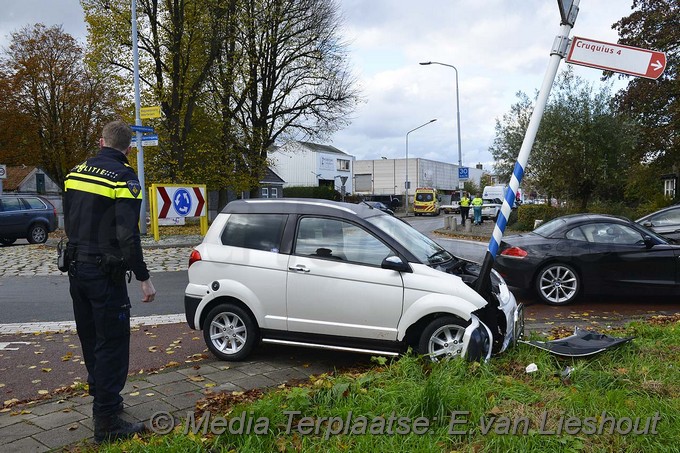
{"x":581,"y":344}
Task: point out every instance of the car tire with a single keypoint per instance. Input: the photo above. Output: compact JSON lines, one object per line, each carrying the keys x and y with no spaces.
{"x":230,"y":332}
{"x":5,"y":241}
{"x":558,"y":284}
{"x":37,"y":234}
{"x":442,"y":339}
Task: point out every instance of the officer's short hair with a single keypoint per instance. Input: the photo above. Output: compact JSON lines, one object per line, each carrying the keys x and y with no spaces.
{"x":117,"y":134}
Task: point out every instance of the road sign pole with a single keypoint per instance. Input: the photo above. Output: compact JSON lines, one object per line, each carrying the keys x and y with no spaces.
{"x":483,"y":283}
{"x":138,"y":120}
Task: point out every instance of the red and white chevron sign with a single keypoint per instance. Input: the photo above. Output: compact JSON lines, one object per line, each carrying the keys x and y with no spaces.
{"x":174,"y":202}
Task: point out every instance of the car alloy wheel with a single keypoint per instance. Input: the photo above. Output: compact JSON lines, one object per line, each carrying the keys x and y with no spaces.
{"x":442,"y":339}
{"x":558,"y":284}
{"x":37,"y":234}
{"x":230,"y":332}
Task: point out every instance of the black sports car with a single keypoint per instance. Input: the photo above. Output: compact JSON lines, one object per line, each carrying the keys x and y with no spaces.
{"x":590,"y":253}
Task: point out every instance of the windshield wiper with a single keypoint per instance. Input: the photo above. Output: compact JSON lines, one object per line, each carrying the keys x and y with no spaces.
{"x":437,"y":253}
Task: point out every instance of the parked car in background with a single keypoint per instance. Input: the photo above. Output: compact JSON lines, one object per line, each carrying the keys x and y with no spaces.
{"x":380,"y":205}
{"x":665,"y":222}
{"x":453,"y":207}
{"x":26,"y":217}
{"x":491,"y":208}
{"x":589,"y":254}
{"x":339,"y":276}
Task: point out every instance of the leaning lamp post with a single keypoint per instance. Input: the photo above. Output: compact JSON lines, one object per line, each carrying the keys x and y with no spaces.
{"x":460,"y":155}
{"x":406,"y":184}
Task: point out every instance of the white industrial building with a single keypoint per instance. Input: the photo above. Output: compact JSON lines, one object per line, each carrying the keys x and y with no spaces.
{"x":383,"y":177}
{"x":311,"y":164}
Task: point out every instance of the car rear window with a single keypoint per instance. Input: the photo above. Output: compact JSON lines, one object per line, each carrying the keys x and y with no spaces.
{"x":254,"y":231}
{"x":35,"y":203}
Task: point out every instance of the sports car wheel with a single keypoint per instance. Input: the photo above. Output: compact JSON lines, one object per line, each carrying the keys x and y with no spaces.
{"x":558,"y":284}
{"x":442,"y":339}
{"x":230,"y":332}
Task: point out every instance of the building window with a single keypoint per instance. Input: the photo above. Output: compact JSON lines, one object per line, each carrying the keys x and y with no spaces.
{"x":669,"y":188}
{"x":274,"y":192}
{"x":265,"y":192}
{"x":343,"y":165}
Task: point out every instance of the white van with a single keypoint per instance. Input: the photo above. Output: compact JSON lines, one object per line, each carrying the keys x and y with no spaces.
{"x":498,"y":191}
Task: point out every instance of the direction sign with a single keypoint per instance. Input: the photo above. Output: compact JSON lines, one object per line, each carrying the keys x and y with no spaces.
{"x":617,"y":58}
{"x":147,"y":140}
{"x":3,"y":171}
{"x":150,"y":112}
{"x":463,"y":172}
{"x":136,"y":128}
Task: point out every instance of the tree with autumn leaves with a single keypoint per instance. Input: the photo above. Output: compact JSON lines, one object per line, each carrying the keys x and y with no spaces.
{"x":51,"y":105}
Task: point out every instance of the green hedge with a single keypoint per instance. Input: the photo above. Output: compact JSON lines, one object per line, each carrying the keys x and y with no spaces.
{"x":323,"y":192}
{"x":528,"y":213}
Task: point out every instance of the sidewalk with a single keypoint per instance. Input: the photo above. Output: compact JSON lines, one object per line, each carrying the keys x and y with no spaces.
{"x":66,"y":420}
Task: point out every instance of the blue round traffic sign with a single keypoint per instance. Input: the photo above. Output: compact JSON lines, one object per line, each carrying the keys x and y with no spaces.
{"x":182,"y":202}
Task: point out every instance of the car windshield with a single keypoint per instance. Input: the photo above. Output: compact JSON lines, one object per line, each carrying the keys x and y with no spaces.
{"x":425,"y":249}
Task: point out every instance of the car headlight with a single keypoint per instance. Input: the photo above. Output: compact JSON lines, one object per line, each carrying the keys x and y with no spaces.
{"x":504,"y":292}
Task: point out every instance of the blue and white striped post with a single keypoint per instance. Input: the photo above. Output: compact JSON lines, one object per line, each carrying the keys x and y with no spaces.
{"x":559,"y":51}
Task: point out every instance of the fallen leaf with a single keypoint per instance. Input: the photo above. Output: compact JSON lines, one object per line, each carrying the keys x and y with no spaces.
{"x":134,"y":394}
{"x":2,"y":385}
{"x":150,"y":394}
{"x":196,"y":378}
{"x":153,"y":348}
{"x":43,"y":392}
{"x":73,"y":427}
{"x":46,"y":370}
{"x":42,"y":362}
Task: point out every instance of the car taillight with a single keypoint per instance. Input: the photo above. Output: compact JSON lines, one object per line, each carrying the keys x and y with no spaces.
{"x":514,"y":252}
{"x":195,"y":256}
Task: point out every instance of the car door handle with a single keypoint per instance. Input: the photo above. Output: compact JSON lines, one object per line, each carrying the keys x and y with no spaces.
{"x":298,"y":269}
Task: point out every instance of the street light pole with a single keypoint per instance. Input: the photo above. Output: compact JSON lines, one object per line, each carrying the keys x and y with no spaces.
{"x":460,"y":154}
{"x":406,"y":183}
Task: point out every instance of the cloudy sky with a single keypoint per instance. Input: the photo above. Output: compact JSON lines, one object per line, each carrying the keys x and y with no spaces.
{"x":499,"y":47}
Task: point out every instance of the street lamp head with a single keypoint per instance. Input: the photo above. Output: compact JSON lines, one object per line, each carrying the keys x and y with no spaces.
{"x":432,"y":121}
{"x":425,"y":63}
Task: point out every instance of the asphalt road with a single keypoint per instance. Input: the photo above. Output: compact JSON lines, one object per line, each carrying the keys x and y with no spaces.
{"x":46,"y":298}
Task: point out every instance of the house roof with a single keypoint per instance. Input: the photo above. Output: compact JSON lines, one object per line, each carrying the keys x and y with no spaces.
{"x":322,"y":148}
{"x":270,"y":177}
{"x":15,"y":176}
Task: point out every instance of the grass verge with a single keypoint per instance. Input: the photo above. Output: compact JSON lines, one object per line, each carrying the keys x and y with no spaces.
{"x":623,"y":400}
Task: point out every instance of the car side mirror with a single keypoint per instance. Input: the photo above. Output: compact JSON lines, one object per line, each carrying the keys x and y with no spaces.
{"x":649,"y":242}
{"x":647,"y":224}
{"x":395,"y":263}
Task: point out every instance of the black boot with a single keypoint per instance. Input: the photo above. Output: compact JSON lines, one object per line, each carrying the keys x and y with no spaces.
{"x":111,"y":427}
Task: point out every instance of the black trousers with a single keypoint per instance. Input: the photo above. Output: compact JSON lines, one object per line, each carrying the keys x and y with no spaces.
{"x":464,"y":211}
{"x":102,"y":312}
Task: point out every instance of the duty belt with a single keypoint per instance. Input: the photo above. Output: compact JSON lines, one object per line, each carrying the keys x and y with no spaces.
{"x":90,"y":259}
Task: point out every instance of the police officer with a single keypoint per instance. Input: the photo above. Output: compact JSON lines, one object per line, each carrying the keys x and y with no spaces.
{"x":464,"y":207}
{"x":477,"y":203}
{"x":101,"y":212}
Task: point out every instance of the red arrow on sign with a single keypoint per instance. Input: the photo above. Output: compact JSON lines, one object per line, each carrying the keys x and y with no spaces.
{"x":617,"y":57}
{"x":165,"y":205}
{"x":201,"y":202}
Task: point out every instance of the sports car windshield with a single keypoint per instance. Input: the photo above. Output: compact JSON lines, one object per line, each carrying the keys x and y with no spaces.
{"x":425,"y":249}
